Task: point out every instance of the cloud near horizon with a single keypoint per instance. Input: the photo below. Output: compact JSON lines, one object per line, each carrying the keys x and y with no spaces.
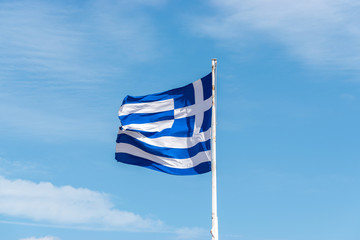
{"x":68,"y":206}
{"x":46,"y":205}
{"x":41,"y":238}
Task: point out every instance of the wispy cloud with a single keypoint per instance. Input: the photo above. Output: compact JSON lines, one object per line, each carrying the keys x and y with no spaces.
{"x":191,"y":233}
{"x":124,"y":29}
{"x":348,"y":96}
{"x":8,"y":168}
{"x":40,"y":41}
{"x":41,"y":238}
{"x":53,"y":56}
{"x":68,"y":206}
{"x":58,"y":45}
{"x":320,"y":32}
{"x":49,"y":124}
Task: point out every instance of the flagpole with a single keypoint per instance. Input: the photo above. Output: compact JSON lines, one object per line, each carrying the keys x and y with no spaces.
{"x":214,"y":229}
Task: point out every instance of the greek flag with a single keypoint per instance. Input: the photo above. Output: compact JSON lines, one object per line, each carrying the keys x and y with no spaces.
{"x":169,"y":131}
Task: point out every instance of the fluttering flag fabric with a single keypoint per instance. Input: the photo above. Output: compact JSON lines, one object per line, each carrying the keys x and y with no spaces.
{"x":169,"y":131}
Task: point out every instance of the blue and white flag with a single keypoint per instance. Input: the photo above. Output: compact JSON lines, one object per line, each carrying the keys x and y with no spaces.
{"x":169,"y":131}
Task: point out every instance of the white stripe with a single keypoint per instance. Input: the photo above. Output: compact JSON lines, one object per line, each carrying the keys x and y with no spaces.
{"x":168,"y":162}
{"x":150,"y":107}
{"x":193,"y":109}
{"x":171,"y":142}
{"x":199,"y":99}
{"x":150,"y":127}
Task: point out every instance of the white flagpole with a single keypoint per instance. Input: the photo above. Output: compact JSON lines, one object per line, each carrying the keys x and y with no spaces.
{"x":214,"y":229}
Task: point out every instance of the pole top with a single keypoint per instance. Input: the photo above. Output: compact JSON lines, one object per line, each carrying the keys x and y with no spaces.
{"x":214,"y":62}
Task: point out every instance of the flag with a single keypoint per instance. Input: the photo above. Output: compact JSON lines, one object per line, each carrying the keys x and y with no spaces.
{"x":168,"y":131}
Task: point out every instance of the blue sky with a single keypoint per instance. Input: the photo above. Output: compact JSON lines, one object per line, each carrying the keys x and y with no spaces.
{"x":288,"y":118}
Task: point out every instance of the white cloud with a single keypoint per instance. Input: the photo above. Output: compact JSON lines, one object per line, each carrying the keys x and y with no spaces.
{"x":46,"y":205}
{"x":321,"y":32}
{"x":41,"y":238}
{"x":68,"y":206}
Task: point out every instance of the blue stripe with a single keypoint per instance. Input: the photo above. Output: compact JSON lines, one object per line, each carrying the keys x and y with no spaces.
{"x":138,"y":161}
{"x":183,"y":96}
{"x":146,"y":117}
{"x":177,"y":153}
{"x":182,"y":127}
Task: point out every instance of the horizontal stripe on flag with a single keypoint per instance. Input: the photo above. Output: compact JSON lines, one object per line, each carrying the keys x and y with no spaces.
{"x":170,"y":141}
{"x":182,"y":97}
{"x":182,"y":127}
{"x":169,"y":162}
{"x":137,"y":118}
{"x":149,"y":107}
{"x":150,"y":127}
{"x":178,"y":153}
{"x":203,"y":167}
